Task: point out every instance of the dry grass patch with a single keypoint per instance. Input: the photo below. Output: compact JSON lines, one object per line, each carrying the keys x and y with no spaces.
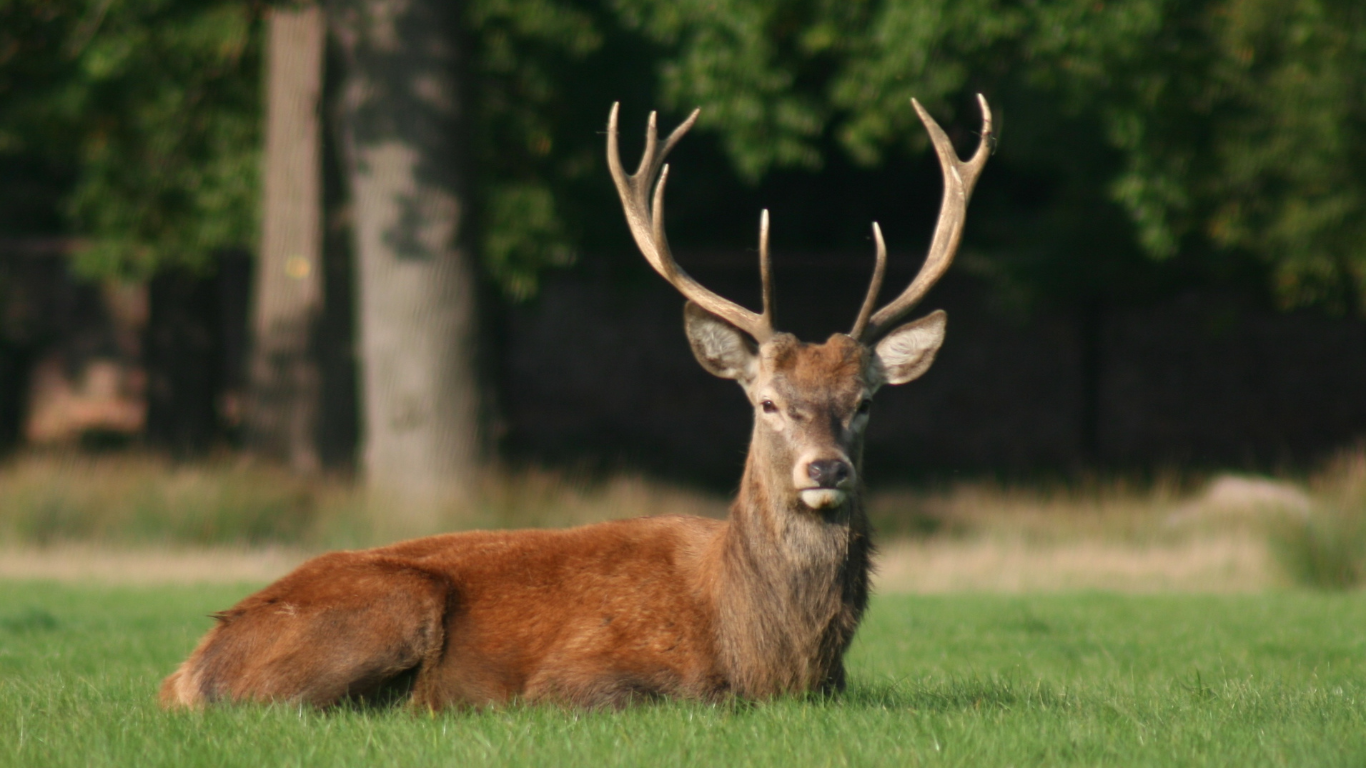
{"x":85,"y":563}
{"x":140,"y":518}
{"x":1228,"y":564}
{"x":927,"y":566}
{"x":1117,"y":510}
{"x":138,"y":500}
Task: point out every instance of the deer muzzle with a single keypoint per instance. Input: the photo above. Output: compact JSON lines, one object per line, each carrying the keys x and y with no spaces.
{"x":826,"y":483}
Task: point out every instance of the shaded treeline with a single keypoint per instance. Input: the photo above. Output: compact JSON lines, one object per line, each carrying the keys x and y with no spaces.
{"x":1152,"y":153}
{"x":595,"y":374}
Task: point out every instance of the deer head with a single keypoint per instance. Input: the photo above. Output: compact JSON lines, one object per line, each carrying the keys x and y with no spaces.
{"x":811,"y":401}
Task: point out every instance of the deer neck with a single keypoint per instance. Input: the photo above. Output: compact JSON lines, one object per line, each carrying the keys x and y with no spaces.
{"x":794,"y":584}
{"x":783,"y":536}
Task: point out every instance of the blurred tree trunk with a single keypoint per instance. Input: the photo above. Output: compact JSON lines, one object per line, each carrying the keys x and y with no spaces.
{"x":402,"y":119}
{"x":285,"y":383}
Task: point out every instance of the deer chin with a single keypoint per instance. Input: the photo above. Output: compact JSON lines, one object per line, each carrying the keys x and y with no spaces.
{"x":822,"y":498}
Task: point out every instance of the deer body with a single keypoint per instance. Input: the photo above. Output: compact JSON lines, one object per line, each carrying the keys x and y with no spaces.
{"x":762,"y":604}
{"x":592,"y":615}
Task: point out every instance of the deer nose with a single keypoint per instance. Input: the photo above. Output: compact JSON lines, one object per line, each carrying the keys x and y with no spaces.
{"x":828,"y":473}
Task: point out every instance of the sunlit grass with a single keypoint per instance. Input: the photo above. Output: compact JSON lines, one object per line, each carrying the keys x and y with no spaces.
{"x":1327,"y":547}
{"x":964,"y":680}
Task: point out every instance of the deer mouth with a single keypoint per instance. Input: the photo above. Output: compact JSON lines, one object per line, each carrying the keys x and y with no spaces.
{"x":822,"y":498}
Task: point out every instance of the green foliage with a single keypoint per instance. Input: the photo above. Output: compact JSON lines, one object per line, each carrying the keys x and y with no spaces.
{"x":1326,"y":550}
{"x":1239,"y":122}
{"x":921,"y":50}
{"x":525,"y":54}
{"x":156,"y":103}
{"x":525,"y":234}
{"x":757,"y":66}
{"x":955,"y":680}
{"x":1288,"y":183}
{"x":1207,"y":133}
{"x":1226,"y":130}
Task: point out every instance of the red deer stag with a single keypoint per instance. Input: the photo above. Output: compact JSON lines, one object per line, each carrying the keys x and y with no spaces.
{"x":761,"y":604}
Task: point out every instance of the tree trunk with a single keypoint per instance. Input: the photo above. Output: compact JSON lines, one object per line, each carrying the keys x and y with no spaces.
{"x":401,"y":118}
{"x":285,"y":385}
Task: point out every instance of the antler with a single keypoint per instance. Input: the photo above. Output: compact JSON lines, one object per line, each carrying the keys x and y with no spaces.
{"x":646,"y":220}
{"x":959,"y":179}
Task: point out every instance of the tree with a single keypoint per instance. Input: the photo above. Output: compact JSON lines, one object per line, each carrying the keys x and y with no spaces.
{"x":155,"y":108}
{"x":153,"y":104}
{"x":135,"y":123}
{"x":1242,"y":124}
{"x":285,"y":381}
{"x":402,"y":121}
{"x":1227,"y":131}
{"x":1146,"y":145}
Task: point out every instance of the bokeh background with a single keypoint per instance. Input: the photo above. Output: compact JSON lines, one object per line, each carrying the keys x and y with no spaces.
{"x":307,"y":275}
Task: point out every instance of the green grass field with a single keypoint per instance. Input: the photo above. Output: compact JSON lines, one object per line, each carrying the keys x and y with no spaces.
{"x":971,"y":680}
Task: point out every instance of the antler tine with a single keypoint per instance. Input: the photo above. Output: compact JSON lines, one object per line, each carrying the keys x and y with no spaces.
{"x":765,"y":268}
{"x":959,"y":179}
{"x":645,"y":216}
{"x":875,"y":287}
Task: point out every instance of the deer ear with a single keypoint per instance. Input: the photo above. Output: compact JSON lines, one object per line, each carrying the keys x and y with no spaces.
{"x":720,"y":347}
{"x":906,"y":353}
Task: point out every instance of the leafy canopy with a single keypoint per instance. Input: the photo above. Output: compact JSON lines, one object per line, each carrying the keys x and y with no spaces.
{"x":155,"y":103}
{"x":1217,"y":131}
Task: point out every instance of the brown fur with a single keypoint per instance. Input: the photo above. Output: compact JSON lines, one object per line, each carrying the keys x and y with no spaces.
{"x":761,"y":604}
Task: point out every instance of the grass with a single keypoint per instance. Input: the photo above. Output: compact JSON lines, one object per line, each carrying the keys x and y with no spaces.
{"x":1327,"y":548}
{"x":85,"y":515}
{"x":965,"y":680}
{"x":1114,"y":533}
{"x":140,"y":500}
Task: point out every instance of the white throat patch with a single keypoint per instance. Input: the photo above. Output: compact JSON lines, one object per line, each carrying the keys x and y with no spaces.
{"x":822,"y":498}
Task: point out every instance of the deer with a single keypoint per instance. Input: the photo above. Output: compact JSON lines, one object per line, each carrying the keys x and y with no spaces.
{"x":759,"y":605}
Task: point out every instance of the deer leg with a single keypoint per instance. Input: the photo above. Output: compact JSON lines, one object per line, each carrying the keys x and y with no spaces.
{"x":342,"y":626}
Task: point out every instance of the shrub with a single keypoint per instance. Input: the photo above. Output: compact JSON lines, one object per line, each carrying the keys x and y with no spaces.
{"x":1324,"y":550}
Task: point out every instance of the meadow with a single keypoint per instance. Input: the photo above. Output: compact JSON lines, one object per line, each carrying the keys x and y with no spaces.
{"x":141,"y":517}
{"x":1275,"y":679}
{"x":1175,"y":621}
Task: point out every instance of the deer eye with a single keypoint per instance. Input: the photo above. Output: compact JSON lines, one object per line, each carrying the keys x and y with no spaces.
{"x":768,"y":406}
{"x":864,"y":407}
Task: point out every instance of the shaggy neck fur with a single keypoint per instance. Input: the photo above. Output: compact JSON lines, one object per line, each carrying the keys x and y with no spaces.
{"x":793,"y":586}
